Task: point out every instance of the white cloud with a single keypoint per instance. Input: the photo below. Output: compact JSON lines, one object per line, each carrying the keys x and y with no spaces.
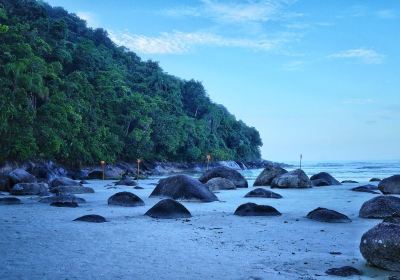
{"x":89,"y":17}
{"x":181,"y":42}
{"x":368,"y":56}
{"x":386,"y":14}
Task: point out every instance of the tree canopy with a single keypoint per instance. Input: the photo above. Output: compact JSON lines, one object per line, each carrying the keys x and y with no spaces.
{"x":68,"y":93}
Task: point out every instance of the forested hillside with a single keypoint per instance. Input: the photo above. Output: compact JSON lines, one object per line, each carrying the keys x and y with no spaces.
{"x":68,"y":93}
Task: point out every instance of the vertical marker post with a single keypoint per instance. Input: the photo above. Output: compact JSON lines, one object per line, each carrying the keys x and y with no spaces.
{"x":138,"y":161}
{"x":103,"y":165}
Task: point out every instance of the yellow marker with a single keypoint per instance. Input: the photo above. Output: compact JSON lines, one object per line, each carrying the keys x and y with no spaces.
{"x":103,"y":165}
{"x":138,"y":167}
{"x":208,"y":160}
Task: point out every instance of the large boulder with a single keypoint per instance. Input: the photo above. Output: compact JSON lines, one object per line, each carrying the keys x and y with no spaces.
{"x":269,"y":174}
{"x":380,"y":207}
{"x":252,"y":209}
{"x":390,"y":185}
{"x":380,"y":246}
{"x":126,"y":182}
{"x":125,"y":199}
{"x":4,"y":184}
{"x":293,"y":179}
{"x":328,"y":216}
{"x":225,"y":172}
{"x":366,"y":188}
{"x":183,"y":187}
{"x":71,"y":190}
{"x":63,"y":181}
{"x":30,"y":189}
{"x":62,"y":198}
{"x":9,"y":200}
{"x":216,"y":184}
{"x":324,"y":176}
{"x":262,"y":193}
{"x":91,"y":219}
{"x":20,"y":176}
{"x":168,"y":209}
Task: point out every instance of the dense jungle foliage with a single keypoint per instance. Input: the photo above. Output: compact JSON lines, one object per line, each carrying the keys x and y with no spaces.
{"x":69,"y":94}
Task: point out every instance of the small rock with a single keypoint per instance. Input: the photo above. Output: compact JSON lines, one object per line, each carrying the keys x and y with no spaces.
{"x":30,"y":189}
{"x":328,"y":216}
{"x":9,"y":200}
{"x":125,"y":199}
{"x":344,"y":271}
{"x":72,"y":190}
{"x":349,"y":182}
{"x":375,"y":180}
{"x":91,"y":219}
{"x":126,"y":182}
{"x":367,"y":188}
{"x":168,"y":209}
{"x":262,"y":193}
{"x":252,"y":209}
{"x":62,"y":198}
{"x":64,"y":204}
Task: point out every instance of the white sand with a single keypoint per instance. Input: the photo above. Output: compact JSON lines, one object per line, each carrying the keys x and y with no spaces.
{"x":38,"y":241}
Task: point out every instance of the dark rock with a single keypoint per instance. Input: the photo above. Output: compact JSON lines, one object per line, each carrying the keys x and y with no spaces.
{"x":325,"y":177}
{"x":390,"y":185}
{"x":71,"y":190}
{"x":225,"y":172}
{"x":138,"y":188}
{"x":30,"y":189}
{"x":125,"y":199}
{"x":252,"y":209}
{"x":96,"y":174}
{"x":380,"y":207}
{"x":126,"y":182}
{"x":375,"y":180}
{"x":183,"y":187}
{"x":20,"y":176}
{"x":46,"y":170}
{"x":394,"y":219}
{"x":262,"y":193}
{"x":269,"y":174}
{"x":4,"y":184}
{"x":91,"y":219}
{"x":344,"y":271}
{"x":380,"y":246}
{"x":83,"y":182}
{"x":168,"y":209}
{"x":328,"y":216}
{"x":219,"y":183}
{"x":349,"y":182}
{"x":68,"y":204}
{"x":63,"y":181}
{"x":319,"y":183}
{"x":293,"y":179}
{"x":367,"y":188}
{"x":62,"y":198}
{"x":9,"y":200}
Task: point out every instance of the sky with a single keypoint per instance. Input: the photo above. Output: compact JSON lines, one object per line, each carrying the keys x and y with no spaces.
{"x":318,"y":78}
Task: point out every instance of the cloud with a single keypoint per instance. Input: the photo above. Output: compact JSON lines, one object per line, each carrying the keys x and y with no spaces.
{"x":180,"y":42}
{"x":367,"y":56}
{"x":386,"y":14}
{"x":359,"y":101}
{"x":236,"y":11}
{"x":90,"y":18}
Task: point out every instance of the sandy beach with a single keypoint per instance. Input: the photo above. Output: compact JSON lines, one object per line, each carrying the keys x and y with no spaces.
{"x":42,"y":242}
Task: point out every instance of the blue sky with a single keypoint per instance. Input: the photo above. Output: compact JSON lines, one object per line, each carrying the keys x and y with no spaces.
{"x":316,"y":77}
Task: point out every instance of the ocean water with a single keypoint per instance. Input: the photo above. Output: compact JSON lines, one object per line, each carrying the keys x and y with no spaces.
{"x":361,"y":171}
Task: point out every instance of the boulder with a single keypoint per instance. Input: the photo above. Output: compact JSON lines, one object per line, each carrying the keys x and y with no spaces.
{"x":319,"y":183}
{"x":375,"y":180}
{"x":126,"y":182}
{"x":293,"y":179}
{"x":30,"y":189}
{"x":380,"y":246}
{"x":183,"y":187}
{"x":46,"y":170}
{"x":4,"y":184}
{"x":262,"y":193}
{"x":71,"y":190}
{"x":218,"y":183}
{"x":91,"y":219}
{"x":349,"y":182}
{"x":328,"y":216}
{"x":390,"y":185}
{"x":366,"y":188}
{"x":67,"y":204}
{"x":125,"y":199}
{"x":20,"y":176}
{"x":225,"y":172}
{"x":328,"y":178}
{"x":380,"y":207}
{"x":252,"y":209}
{"x":269,"y":174}
{"x":9,"y":200}
{"x":63,"y":181}
{"x":62,"y":198}
{"x":344,"y":271}
{"x":168,"y":209}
